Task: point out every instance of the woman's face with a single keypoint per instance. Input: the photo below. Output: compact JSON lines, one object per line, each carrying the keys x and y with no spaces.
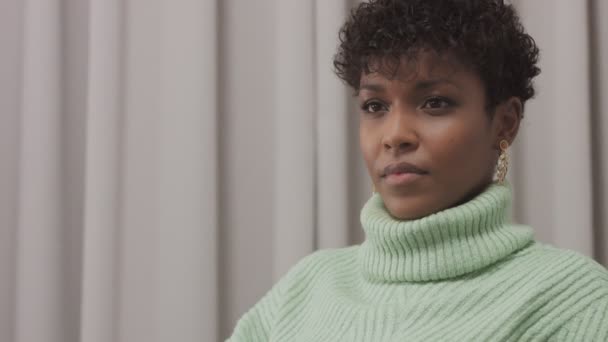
{"x":432,"y":117}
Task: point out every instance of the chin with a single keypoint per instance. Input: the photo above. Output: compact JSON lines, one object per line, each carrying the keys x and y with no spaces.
{"x":404,"y":209}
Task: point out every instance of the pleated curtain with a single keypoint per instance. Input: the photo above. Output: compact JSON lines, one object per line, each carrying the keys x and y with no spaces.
{"x":163,"y":163}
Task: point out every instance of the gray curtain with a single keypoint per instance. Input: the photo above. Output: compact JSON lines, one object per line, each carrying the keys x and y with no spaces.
{"x":163,"y":163}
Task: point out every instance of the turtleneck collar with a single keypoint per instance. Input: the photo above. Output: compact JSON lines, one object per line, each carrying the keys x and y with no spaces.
{"x":442,"y":245}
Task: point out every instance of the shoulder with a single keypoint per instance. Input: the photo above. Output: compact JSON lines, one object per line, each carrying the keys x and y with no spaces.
{"x":566,"y":262}
{"x":559,"y":268}
{"x":316,"y":268}
{"x":323,"y":261}
{"x":566,"y":288}
{"x":563,"y":277}
{"x":258,"y":322}
{"x":555,"y":290}
{"x":584,"y":301}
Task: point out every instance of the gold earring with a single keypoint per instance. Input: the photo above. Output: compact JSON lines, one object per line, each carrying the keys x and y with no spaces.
{"x":503,"y":162}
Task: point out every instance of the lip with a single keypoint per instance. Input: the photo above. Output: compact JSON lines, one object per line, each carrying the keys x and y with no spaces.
{"x":400,"y":174}
{"x":402,"y":178}
{"x":402,"y":168}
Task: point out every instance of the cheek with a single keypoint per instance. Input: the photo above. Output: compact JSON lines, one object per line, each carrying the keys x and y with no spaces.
{"x":368,"y":146}
{"x":461,"y":150}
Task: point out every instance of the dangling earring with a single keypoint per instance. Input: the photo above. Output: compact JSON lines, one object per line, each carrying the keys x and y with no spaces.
{"x":503,"y":162}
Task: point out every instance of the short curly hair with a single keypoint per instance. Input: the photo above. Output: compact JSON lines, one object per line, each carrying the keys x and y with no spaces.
{"x":486,"y":35}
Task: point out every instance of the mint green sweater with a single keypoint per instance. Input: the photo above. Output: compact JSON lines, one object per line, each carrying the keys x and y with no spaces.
{"x":462,"y":274}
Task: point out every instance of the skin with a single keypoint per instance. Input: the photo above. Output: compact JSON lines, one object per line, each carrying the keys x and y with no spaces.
{"x":432,"y":114}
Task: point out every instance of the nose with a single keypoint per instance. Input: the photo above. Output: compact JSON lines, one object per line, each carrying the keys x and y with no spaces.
{"x":400,"y":133}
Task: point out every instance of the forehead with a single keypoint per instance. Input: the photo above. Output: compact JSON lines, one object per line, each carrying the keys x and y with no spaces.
{"x":425,"y":65}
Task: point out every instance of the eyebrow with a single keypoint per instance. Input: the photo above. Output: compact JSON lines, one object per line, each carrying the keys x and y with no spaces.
{"x":420,"y":85}
{"x":378,"y":88}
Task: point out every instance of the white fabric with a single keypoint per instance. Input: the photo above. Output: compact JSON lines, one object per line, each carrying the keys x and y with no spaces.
{"x":109,"y":220}
{"x":162,"y":162}
{"x":554,"y":148}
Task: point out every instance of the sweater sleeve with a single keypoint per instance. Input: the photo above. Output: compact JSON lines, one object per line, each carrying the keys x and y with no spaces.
{"x":591,"y":324}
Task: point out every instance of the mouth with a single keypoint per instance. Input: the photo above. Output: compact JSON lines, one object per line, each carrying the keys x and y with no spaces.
{"x":399,"y":179}
{"x":402,"y":174}
{"x":402,"y":168}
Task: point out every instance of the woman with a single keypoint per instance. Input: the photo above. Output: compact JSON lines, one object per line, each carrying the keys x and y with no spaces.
{"x":442,"y":87}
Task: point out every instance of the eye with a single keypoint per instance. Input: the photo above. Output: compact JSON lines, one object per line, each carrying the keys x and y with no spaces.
{"x":373,"y":106}
{"x":437,"y":102}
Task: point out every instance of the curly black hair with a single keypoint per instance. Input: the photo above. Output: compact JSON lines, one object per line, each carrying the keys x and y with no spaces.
{"x":485,"y":35}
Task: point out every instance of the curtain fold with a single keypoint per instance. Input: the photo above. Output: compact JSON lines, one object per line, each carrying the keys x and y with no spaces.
{"x":114,"y":231}
{"x":552,"y":175}
{"x":598,"y":33}
{"x":40,"y":266}
{"x":208,"y":165}
{"x":295,"y":134}
{"x":102,"y":196}
{"x":10,"y":99}
{"x":332,"y":143}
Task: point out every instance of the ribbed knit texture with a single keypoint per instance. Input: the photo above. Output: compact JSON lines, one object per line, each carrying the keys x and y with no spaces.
{"x":462,"y":274}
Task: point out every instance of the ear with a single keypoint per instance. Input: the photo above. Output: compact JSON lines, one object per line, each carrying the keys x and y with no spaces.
{"x":507,"y":118}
